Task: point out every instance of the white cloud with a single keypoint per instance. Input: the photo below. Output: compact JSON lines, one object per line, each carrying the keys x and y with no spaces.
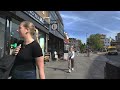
{"x":104,"y":28}
{"x":118,"y":12}
{"x":112,"y":35}
{"x":118,"y":18}
{"x":72,"y":18}
{"x":75,"y":19}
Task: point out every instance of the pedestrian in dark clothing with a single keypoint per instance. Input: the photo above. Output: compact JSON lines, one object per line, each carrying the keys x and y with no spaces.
{"x":28,"y":54}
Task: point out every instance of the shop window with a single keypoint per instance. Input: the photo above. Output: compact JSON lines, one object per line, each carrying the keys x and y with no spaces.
{"x":14,"y":25}
{"x":2,"y":36}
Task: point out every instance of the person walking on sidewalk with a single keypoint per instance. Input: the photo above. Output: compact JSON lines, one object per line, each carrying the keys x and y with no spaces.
{"x":71,"y":55}
{"x":28,"y":55}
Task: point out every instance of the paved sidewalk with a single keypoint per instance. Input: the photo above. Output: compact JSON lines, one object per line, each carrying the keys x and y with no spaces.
{"x":85,"y":68}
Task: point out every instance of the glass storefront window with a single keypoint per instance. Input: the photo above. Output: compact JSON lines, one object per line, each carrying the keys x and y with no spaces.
{"x":14,"y":25}
{"x":2,"y":36}
{"x":42,"y":41}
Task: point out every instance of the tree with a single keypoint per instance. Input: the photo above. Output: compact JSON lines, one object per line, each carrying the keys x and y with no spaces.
{"x":81,"y":45}
{"x":94,"y":41}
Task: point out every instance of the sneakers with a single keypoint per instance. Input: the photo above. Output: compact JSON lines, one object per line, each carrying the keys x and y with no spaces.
{"x":69,"y":71}
{"x":72,"y":69}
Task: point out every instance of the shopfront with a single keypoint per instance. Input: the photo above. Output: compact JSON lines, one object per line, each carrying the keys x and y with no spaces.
{"x":2,"y":35}
{"x":9,"y":22}
{"x":56,"y":35}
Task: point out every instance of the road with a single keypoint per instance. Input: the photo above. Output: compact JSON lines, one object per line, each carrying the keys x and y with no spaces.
{"x":85,"y":68}
{"x":115,"y":58}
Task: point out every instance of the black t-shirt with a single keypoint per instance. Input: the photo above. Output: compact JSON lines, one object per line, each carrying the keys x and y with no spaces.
{"x":25,"y":59}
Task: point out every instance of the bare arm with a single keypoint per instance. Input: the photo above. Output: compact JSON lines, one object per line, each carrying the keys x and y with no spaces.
{"x":40,"y":65}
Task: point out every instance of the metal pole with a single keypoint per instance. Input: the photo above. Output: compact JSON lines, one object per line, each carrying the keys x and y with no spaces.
{"x":87,"y":45}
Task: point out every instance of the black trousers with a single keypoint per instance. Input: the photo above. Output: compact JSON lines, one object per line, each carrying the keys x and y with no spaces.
{"x":71,"y":63}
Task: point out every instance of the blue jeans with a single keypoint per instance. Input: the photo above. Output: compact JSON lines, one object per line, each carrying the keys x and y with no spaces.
{"x":24,"y":74}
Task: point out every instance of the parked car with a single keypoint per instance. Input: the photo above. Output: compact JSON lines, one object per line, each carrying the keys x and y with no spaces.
{"x":112,"y":50}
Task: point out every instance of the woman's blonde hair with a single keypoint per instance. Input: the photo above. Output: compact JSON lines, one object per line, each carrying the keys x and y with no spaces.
{"x":29,"y":25}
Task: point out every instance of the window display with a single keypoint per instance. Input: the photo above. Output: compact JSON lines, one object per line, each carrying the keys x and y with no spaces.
{"x":2,"y":35}
{"x":14,"y":24}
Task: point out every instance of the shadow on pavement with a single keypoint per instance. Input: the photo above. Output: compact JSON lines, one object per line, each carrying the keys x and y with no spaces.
{"x":96,"y":68}
{"x":54,"y":68}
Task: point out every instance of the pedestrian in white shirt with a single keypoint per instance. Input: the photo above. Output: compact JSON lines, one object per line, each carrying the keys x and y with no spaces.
{"x":71,"y":56}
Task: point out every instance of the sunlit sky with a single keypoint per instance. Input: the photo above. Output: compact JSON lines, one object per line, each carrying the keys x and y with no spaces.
{"x":78,"y":24}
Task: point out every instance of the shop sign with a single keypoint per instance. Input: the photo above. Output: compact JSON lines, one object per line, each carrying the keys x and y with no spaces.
{"x":35,"y":16}
{"x":54,"y":26}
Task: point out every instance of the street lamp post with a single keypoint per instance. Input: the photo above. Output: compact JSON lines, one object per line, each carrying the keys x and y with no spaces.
{"x":87,"y":46}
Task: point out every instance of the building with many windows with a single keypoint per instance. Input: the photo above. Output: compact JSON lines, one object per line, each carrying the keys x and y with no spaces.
{"x":117,"y":37}
{"x":107,"y":42}
{"x":117,"y":41}
{"x":102,"y":37}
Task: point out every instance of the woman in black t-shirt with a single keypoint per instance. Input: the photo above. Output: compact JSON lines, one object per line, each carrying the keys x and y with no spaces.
{"x":28,"y":55}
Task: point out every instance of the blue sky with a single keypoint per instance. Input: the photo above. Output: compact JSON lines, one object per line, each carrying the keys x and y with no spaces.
{"x":79,"y":23}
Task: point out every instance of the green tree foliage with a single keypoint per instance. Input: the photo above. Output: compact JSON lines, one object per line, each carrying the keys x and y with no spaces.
{"x":94,"y":41}
{"x":81,"y":45}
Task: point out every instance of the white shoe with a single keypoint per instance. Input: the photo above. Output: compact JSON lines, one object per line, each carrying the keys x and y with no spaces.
{"x":69,"y":71}
{"x":72,"y":69}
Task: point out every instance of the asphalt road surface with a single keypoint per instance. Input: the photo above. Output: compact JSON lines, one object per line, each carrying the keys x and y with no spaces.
{"x":115,"y":58}
{"x":85,"y":68}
